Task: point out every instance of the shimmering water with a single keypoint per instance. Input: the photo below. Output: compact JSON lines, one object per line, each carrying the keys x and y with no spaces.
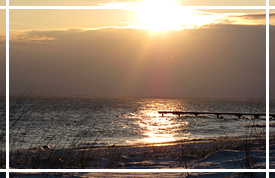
{"x":2,"y":111}
{"x":272,"y":111}
{"x":64,"y":122}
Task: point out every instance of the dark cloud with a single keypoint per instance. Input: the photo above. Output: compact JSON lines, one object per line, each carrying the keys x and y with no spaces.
{"x":253,"y":16}
{"x":2,"y":65}
{"x":272,"y":15}
{"x":221,"y":61}
{"x":272,"y":61}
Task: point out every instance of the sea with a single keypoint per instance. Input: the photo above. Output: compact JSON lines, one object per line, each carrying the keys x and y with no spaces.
{"x":76,"y":123}
{"x":2,"y":124}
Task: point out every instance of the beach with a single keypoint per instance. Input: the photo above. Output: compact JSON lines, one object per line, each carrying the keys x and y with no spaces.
{"x":225,"y":153}
{"x":141,"y":175}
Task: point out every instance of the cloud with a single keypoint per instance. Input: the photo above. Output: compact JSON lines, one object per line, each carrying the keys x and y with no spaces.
{"x":2,"y":38}
{"x":253,"y":16}
{"x":2,"y":65}
{"x":272,"y":61}
{"x":99,"y":2}
{"x":221,"y":61}
{"x":244,"y":19}
{"x":67,"y":3}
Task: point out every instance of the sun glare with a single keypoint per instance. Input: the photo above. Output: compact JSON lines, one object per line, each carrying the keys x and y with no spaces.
{"x":160,"y":15}
{"x":157,"y":15}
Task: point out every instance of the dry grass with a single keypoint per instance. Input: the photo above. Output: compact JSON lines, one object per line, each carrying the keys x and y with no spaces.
{"x":174,"y":156}
{"x":3,"y":142}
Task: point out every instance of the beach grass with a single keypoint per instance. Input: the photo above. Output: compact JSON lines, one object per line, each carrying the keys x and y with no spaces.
{"x":142,"y":174}
{"x":3,"y":141}
{"x":178,"y":155}
{"x":247,"y":153}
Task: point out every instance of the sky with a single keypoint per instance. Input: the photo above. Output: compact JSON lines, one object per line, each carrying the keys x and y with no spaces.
{"x":119,"y":3}
{"x":272,"y":56}
{"x":2,"y":23}
{"x":2,"y":51}
{"x":121,"y":53}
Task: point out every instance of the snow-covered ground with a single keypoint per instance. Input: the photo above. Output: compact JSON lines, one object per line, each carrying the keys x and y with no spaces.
{"x":272,"y":152}
{"x":140,"y":174}
{"x":210,"y":154}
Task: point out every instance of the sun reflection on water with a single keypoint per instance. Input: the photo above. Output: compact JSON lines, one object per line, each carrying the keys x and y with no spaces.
{"x":157,"y":129}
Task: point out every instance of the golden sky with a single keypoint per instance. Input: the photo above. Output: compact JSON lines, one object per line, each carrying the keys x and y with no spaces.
{"x":272,"y":17}
{"x":59,"y":19}
{"x":2,"y":51}
{"x":2,"y":22}
{"x":272,"y":54}
{"x":119,"y":3}
{"x":116,"y":53}
{"x":141,"y":19}
{"x":142,"y":50}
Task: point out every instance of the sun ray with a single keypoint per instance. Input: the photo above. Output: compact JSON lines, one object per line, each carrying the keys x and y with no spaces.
{"x":160,"y":15}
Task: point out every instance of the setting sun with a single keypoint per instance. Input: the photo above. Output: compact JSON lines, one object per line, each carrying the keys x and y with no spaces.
{"x":160,"y":15}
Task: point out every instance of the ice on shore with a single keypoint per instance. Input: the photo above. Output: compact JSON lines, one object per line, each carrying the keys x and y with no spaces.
{"x":140,"y":175}
{"x":222,"y":154}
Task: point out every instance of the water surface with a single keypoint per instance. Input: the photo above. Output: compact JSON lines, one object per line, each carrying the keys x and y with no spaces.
{"x":78,"y":122}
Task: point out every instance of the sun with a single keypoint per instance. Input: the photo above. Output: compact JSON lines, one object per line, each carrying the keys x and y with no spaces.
{"x":160,"y":15}
{"x":157,"y":15}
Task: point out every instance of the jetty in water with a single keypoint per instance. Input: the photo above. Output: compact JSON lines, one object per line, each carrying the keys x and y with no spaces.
{"x":218,"y":114}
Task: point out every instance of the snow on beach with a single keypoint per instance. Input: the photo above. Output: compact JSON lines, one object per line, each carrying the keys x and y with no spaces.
{"x":198,"y":154}
{"x":139,"y":174}
{"x":272,"y":151}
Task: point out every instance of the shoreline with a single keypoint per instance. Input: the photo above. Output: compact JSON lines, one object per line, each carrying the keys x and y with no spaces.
{"x":212,"y":154}
{"x":141,"y":174}
{"x":169,"y":143}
